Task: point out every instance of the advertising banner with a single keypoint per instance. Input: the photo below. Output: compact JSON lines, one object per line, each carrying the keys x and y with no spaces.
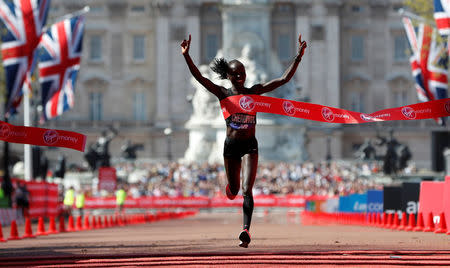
{"x":431,"y":199}
{"x":107,"y":179}
{"x":392,"y":199}
{"x":410,"y":197}
{"x":375,"y":201}
{"x":353,"y":203}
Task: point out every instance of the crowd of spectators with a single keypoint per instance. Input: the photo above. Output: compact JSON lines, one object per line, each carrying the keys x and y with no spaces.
{"x":184,"y":180}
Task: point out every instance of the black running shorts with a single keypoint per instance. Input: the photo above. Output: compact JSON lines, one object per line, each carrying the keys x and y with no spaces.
{"x":235,"y":148}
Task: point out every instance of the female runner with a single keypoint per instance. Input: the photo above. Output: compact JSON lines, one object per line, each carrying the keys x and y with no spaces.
{"x":240,"y":142}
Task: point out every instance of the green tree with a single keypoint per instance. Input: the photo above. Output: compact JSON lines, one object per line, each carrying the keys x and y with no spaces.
{"x":423,"y":8}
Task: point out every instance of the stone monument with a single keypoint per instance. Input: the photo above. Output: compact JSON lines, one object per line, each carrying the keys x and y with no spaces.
{"x":246,"y":37}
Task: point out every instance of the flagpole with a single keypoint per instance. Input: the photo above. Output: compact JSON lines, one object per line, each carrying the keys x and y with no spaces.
{"x":26,"y":122}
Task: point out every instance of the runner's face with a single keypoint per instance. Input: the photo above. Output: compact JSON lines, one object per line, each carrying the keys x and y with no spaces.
{"x":237,"y":73}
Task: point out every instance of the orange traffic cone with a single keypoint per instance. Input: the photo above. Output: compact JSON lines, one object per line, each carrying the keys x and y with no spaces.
{"x":94,"y":223}
{"x":430,"y":224}
{"x":14,"y":235}
{"x":79,"y":226}
{"x":420,"y":225}
{"x":52,"y":226}
{"x":1,"y":234}
{"x":105,"y":221}
{"x":86,"y":223}
{"x":62,"y":225}
{"x":99,"y":222}
{"x":403,"y":223}
{"x":388,"y":222}
{"x":28,"y":229}
{"x":395,"y":222}
{"x":70,"y":225}
{"x":411,"y":222}
{"x":442,"y":227}
{"x":41,"y":227}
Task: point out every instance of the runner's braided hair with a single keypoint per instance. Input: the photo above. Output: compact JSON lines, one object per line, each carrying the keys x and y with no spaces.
{"x":220,"y":66}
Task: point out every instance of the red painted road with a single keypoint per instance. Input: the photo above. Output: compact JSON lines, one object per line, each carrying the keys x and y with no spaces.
{"x":208,"y":239}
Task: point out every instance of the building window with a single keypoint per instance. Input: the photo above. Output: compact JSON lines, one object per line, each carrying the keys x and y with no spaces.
{"x":357,"y":47}
{"x":400,"y":98}
{"x":401,"y":48}
{"x":357,"y":9}
{"x":139,"y":47}
{"x":137,"y":9}
{"x":140,"y":107}
{"x":357,"y":101}
{"x":95,"y":48}
{"x":212,"y":45}
{"x":284,"y":47}
{"x":96,"y":106}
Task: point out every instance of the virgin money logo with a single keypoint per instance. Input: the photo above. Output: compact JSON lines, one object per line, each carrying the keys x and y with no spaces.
{"x":288,"y":108}
{"x":327,"y":114}
{"x":366,"y":117}
{"x":247,"y":103}
{"x":5,"y":131}
{"x":447,"y":106}
{"x":50,"y":137}
{"x":409,"y":112}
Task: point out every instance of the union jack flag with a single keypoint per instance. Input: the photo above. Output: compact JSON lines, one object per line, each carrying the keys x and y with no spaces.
{"x":21,"y":26}
{"x":442,"y":16}
{"x":428,"y":62}
{"x":59,"y":62}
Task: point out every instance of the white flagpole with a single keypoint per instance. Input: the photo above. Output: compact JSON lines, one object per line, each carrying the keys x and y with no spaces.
{"x":26,"y":121}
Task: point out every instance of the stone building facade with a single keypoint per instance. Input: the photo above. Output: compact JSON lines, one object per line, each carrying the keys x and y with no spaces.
{"x":134,"y":77}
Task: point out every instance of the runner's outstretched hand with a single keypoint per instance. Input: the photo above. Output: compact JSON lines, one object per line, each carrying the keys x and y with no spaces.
{"x":185,"y":45}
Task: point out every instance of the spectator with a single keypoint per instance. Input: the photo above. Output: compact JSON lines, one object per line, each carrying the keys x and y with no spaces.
{"x":22,"y":198}
{"x":121,"y":195}
{"x":69,"y":199}
{"x":79,"y":202}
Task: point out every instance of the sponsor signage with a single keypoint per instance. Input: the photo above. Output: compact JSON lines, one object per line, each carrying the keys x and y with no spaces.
{"x":353,"y":203}
{"x":392,"y":199}
{"x":107,"y":179}
{"x":410,"y":197}
{"x":375,"y":201}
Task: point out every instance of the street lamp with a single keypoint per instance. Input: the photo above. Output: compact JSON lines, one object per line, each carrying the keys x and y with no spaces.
{"x":168,"y":133}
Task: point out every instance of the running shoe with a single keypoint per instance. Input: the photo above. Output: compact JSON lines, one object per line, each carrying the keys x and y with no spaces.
{"x":230,"y":195}
{"x":244,"y":236}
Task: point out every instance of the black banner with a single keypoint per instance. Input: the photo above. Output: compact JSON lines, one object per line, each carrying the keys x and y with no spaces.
{"x":410,"y":197}
{"x":392,"y":199}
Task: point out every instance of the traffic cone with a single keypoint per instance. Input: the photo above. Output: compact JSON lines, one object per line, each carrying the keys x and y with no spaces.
{"x":388,"y":222}
{"x":442,"y":227}
{"x":430,"y":224}
{"x":420,"y":226}
{"x":403,"y":223}
{"x":52,"y":226}
{"x":70,"y":225}
{"x":99,"y":222}
{"x":28,"y":229}
{"x":86,"y":223}
{"x":94,"y":222}
{"x":79,"y":226}
{"x":62,"y":226}
{"x":395,"y":221}
{"x":41,"y":227}
{"x":14,"y":235}
{"x":1,"y":234}
{"x":411,"y":222}
{"x":105,"y":222}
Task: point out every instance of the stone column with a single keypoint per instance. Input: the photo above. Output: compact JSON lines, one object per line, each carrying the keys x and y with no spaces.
{"x":162,"y":56}
{"x":332,"y":44}
{"x":303,"y":26}
{"x":377,"y":38}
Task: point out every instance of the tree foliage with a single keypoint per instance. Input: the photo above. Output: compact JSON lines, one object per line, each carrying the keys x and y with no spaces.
{"x":423,"y":8}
